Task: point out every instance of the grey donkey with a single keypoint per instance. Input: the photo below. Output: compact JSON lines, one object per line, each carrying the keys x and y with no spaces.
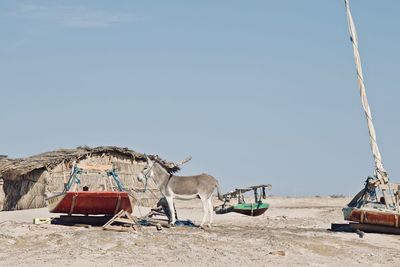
{"x":182,"y":187}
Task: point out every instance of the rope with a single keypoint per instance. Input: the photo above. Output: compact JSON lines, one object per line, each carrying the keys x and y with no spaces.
{"x":145,"y":184}
{"x":113,"y":173}
{"x":147,"y":178}
{"x":73,"y":178}
{"x":381,"y":173}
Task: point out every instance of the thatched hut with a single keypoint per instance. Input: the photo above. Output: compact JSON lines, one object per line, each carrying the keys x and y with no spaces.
{"x":3,"y":161}
{"x":28,"y":181}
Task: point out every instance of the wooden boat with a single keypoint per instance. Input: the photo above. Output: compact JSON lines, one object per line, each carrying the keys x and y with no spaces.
{"x":378,"y":203}
{"x":250,"y":209}
{"x":86,"y":202}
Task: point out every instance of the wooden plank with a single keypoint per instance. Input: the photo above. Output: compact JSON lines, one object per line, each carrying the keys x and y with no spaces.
{"x":42,"y":220}
{"x":121,"y":217}
{"x":123,"y":220}
{"x":268,"y":186}
{"x":113,"y":218}
{"x":118,"y":204}
{"x":341,"y":227}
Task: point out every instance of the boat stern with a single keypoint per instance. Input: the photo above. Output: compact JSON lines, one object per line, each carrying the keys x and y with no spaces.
{"x":347,"y":212}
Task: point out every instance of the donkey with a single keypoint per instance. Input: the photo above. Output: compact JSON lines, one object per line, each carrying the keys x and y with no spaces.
{"x":182,"y":187}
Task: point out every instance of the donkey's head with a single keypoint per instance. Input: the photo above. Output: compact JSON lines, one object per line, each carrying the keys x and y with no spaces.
{"x":147,"y":172}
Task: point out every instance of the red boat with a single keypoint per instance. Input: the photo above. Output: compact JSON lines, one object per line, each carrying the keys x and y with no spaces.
{"x":378,"y":203}
{"x":369,"y":216}
{"x":84,"y":202}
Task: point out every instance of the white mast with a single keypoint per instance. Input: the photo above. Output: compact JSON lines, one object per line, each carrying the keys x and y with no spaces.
{"x":381,"y":175}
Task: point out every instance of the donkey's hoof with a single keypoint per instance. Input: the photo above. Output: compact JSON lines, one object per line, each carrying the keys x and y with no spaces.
{"x":171,"y":225}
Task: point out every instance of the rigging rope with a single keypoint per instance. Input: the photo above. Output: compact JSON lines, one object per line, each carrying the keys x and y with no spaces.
{"x":381,"y":173}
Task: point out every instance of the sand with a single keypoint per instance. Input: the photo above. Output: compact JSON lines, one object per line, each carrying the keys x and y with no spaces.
{"x":293,"y":232}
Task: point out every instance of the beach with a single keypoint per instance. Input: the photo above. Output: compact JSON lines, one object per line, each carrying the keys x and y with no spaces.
{"x":293,"y":232}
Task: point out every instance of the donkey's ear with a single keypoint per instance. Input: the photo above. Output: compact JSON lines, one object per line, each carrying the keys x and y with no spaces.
{"x":149,"y":161}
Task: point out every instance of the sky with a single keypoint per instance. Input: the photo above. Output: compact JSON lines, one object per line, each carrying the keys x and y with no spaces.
{"x":255,"y":91}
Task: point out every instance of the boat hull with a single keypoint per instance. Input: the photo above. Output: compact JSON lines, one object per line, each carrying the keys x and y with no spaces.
{"x":376,"y":217}
{"x":251,"y":209}
{"x":90,"y":203}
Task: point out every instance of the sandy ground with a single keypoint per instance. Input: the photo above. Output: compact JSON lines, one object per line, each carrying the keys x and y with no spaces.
{"x":292,"y":233}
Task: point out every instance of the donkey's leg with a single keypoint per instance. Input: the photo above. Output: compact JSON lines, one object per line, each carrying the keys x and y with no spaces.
{"x":205,"y":209}
{"x":210,"y":210}
{"x":171,"y":206}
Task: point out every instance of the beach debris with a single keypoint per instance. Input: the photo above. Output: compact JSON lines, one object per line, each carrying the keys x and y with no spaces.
{"x":162,"y":209}
{"x":158,"y":223}
{"x":360,"y":233}
{"x":87,"y":226}
{"x":160,"y":217}
{"x":42,"y":220}
{"x":282,"y":218}
{"x":251,"y":209}
{"x":186,"y":223}
{"x":278,"y":253}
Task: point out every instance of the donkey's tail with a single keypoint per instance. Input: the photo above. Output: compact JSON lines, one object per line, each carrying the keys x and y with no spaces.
{"x":220,"y":197}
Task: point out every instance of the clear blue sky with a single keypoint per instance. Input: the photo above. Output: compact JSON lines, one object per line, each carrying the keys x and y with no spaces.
{"x":255,"y":91}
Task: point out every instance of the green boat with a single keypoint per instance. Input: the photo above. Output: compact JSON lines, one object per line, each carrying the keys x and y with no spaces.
{"x":250,"y":209}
